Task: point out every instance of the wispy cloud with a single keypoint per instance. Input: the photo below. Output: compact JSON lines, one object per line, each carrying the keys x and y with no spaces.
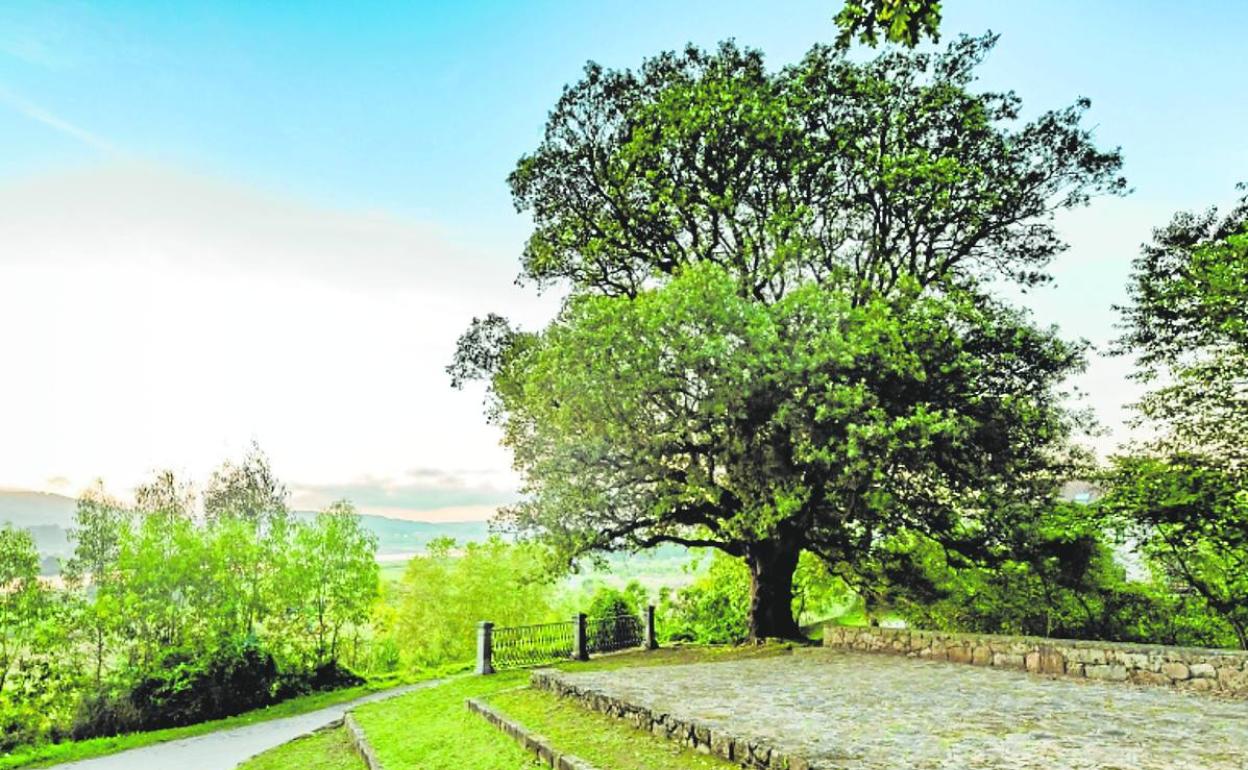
{"x":34,"y":112}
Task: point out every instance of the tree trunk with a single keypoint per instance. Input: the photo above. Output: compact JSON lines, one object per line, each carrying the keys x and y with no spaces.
{"x":772,"y":564}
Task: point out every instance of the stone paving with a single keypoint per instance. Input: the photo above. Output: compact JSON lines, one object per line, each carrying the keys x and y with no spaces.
{"x":855,"y":711}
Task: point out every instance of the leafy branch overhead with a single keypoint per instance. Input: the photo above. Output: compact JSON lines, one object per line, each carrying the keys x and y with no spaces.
{"x":901,"y":21}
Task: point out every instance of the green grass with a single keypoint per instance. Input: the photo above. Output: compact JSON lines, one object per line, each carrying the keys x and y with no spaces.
{"x":678,"y":654}
{"x":324,"y":750}
{"x":70,"y":751}
{"x":603,"y":741}
{"x":431,"y":729}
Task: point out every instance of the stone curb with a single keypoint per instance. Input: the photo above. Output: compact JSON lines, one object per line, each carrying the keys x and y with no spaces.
{"x":360,"y":743}
{"x":532,"y":742}
{"x":747,"y":752}
{"x":1217,"y":672}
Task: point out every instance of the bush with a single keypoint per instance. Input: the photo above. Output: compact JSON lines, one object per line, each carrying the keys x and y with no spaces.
{"x":20,"y":724}
{"x":239,"y":676}
{"x":713,"y":609}
{"x":613,"y":615}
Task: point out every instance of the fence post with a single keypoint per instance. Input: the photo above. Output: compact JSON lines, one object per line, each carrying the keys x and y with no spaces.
{"x":651,"y":643}
{"x":485,"y":648}
{"x":580,"y":647}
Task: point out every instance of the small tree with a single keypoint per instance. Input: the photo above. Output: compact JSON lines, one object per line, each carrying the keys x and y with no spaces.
{"x":23,"y":599}
{"x":1184,"y":494}
{"x":332,"y":577}
{"x":161,"y":580}
{"x":100,"y":522}
{"x":245,"y":504}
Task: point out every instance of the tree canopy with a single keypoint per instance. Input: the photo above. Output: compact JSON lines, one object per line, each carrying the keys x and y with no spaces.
{"x":825,"y":169}
{"x":1188,"y":325}
{"x":778,"y":334}
{"x":1184,"y":493}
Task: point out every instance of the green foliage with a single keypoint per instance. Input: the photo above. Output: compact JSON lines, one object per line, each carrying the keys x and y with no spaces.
{"x":330,"y":581}
{"x":71,"y":751}
{"x":183,"y":689}
{"x":1188,"y":326}
{"x":775,"y":340}
{"x":23,"y":600}
{"x":730,"y":423}
{"x":168,"y":617}
{"x":610,"y":602}
{"x":1184,"y":494}
{"x":1190,"y":516}
{"x":885,"y":170}
{"x":450,"y":588}
{"x":901,"y":21}
{"x":714,"y":609}
{"x":33,"y":675}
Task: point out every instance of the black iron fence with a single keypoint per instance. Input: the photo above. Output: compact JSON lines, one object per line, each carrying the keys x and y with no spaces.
{"x":535,"y":645}
{"x":619,"y":632}
{"x":546,"y":643}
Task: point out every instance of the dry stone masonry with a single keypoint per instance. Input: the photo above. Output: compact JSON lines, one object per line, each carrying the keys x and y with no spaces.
{"x":833,"y":709}
{"x":1223,"y":672}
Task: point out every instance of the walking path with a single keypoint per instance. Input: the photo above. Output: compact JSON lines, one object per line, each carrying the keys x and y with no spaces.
{"x":854,"y":711}
{"x":226,"y":749}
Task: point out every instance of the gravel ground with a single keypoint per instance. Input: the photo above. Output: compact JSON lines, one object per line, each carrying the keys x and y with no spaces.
{"x":226,"y":749}
{"x":853,"y":711}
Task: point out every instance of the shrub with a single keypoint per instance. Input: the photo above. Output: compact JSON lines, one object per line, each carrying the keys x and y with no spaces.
{"x":713,"y":609}
{"x":182,"y":689}
{"x":20,"y":724}
{"x":613,"y":614}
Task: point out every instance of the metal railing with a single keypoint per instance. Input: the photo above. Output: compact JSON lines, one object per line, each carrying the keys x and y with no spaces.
{"x":546,"y":643}
{"x":534,"y":645}
{"x":619,"y":632}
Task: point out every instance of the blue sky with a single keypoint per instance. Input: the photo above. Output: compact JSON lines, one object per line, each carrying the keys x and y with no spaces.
{"x":356,"y":152}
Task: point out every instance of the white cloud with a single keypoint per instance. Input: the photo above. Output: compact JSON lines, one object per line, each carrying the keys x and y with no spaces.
{"x":151,"y":318}
{"x":143,"y":215}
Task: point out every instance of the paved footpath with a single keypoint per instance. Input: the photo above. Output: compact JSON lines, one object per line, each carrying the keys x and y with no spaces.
{"x":853,"y":711}
{"x":226,"y":749}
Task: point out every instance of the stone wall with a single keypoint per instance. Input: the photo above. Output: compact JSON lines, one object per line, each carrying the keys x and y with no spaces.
{"x":547,"y":755}
{"x":751,"y":753}
{"x":1223,"y":672}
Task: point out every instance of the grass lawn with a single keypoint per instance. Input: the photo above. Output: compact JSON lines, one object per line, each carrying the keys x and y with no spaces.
{"x":432,"y":729}
{"x":601,"y":740}
{"x":324,"y":750}
{"x":55,"y":753}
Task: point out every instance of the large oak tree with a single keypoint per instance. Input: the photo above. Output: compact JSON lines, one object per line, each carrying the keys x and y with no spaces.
{"x":779,"y":334}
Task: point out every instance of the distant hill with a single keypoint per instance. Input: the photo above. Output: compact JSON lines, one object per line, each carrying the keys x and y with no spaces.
{"x":403,"y":536}
{"x":33,"y":509}
{"x":50,"y":516}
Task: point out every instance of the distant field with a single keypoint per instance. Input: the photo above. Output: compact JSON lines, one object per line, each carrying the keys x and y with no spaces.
{"x":663,"y":567}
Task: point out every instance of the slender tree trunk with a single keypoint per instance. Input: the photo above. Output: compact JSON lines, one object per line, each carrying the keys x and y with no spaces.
{"x":772,"y":564}
{"x":99,"y":656}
